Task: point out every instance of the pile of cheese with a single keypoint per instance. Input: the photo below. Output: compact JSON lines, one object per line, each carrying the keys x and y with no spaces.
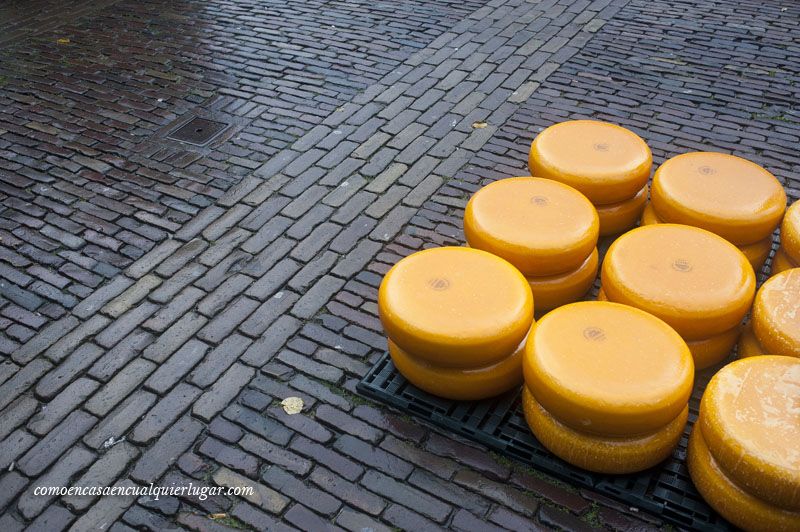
{"x":546,"y":229}
{"x":727,"y":195}
{"x":774,"y":327}
{"x":606,"y":386}
{"x":744,"y":451}
{"x":788,"y":254}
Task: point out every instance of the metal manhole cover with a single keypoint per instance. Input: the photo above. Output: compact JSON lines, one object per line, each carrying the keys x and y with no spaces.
{"x":198,"y":131}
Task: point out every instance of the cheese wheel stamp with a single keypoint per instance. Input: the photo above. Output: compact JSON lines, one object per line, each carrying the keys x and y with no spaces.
{"x":750,"y":421}
{"x":776,"y":314}
{"x":556,"y":290}
{"x":694,"y":280}
{"x":748,"y":345}
{"x":455,"y":306}
{"x":790,"y":233}
{"x":541,"y":226}
{"x":781,"y":262}
{"x":587,"y":364}
{"x":604,"y":161}
{"x":714,"y":349}
{"x":727,"y":195}
{"x":736,"y":505}
{"x":616,"y":218}
{"x":602,"y":454}
{"x":460,"y":384}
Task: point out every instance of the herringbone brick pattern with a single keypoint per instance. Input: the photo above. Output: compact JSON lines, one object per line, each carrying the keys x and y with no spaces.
{"x":258,"y":278}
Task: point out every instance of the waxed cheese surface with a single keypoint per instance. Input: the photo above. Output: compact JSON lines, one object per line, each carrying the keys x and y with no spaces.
{"x":790,"y":232}
{"x":455,"y":305}
{"x":776,"y":313}
{"x":608,"y":368}
{"x":728,"y":195}
{"x":606,"y":162}
{"x":750,"y":418}
{"x":541,"y":226}
{"x":687,"y":276}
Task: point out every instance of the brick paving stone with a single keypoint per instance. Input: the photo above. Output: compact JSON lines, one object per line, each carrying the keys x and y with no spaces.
{"x":49,"y":448}
{"x":106,"y":510}
{"x":155,"y":461}
{"x":176,"y":336}
{"x":305,"y":519}
{"x":275,"y":454}
{"x":176,"y":366}
{"x":22,"y":380}
{"x":116,"y":389}
{"x":61,"y":405}
{"x":222,"y":392}
{"x":164,"y":413}
{"x":60,"y":475}
{"x":349,"y":492}
{"x":265,"y":498}
{"x":104,"y":471}
{"x":17,"y":413}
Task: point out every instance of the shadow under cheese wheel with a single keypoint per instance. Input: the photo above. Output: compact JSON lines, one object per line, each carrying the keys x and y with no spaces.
{"x":727,"y":195}
{"x":455,"y":307}
{"x":749,"y":420}
{"x":460,"y":384}
{"x":586,"y":364}
{"x":616,"y":218}
{"x":556,"y":290}
{"x":616,"y":455}
{"x":605,"y":162}
{"x":697,"y":282}
{"x":541,"y":226}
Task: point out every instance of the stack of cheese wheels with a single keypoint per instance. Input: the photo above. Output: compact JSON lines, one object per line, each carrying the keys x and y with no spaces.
{"x":744,"y":455}
{"x":606,"y":386}
{"x":694,"y":280}
{"x":456,"y":319}
{"x":727,"y":195}
{"x":774,"y":326}
{"x":546,"y":229}
{"x":788,"y":255}
{"x":609,"y":164}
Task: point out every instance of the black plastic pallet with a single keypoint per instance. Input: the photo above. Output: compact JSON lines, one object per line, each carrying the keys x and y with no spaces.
{"x":665,"y":490}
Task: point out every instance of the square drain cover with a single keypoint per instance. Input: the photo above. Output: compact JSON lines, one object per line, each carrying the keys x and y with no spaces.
{"x":198,"y":131}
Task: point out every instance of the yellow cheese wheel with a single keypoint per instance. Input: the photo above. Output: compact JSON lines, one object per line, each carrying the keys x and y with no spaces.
{"x":725,"y":194}
{"x":713,"y":349}
{"x":696,"y":281}
{"x":606,"y":162}
{"x":757,"y":253}
{"x":750,"y":420}
{"x":541,"y":226}
{"x":455,"y":306}
{"x":781,"y":262}
{"x":601,"y":454}
{"x":556,"y":290}
{"x":776,"y":314}
{"x":790,"y":232}
{"x":616,"y":218}
{"x":460,"y":384}
{"x":608,"y":369}
{"x":649,"y":216}
{"x":742,"y":509}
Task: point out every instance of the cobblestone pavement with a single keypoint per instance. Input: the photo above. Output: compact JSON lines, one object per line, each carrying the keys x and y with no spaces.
{"x":173,"y":295}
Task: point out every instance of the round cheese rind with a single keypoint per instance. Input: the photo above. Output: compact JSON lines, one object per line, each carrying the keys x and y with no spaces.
{"x":750,"y":420}
{"x":649,"y":216}
{"x":781,"y":262}
{"x":556,"y":290}
{"x":600,"y":454}
{"x":455,"y":306}
{"x":696,"y":281}
{"x":714,"y":349}
{"x":604,"y":161}
{"x":541,"y":226}
{"x":748,"y":345}
{"x":757,"y":253}
{"x":608,"y":369}
{"x":616,"y":218}
{"x":742,"y":509}
{"x":776,"y":314}
{"x":460,"y":384}
{"x":790,"y":232}
{"x":727,"y":195}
